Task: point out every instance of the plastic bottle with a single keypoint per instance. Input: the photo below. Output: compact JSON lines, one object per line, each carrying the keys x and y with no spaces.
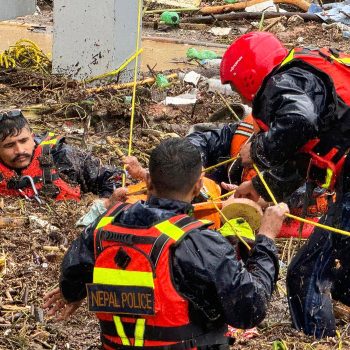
{"x":171,"y":18}
{"x":215,"y":63}
{"x":201,"y":55}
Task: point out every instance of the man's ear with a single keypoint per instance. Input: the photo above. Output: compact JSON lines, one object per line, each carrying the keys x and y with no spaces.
{"x":197,"y":187}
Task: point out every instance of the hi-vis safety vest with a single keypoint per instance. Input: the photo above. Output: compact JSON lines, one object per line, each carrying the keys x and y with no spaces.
{"x":44,"y":174}
{"x":245,"y":130}
{"x":323,"y":168}
{"x":132,"y":292}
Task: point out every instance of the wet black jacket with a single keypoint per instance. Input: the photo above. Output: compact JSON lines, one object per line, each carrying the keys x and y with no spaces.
{"x":214,"y":146}
{"x":204,"y":266}
{"x":298,"y":103}
{"x":81,"y":168}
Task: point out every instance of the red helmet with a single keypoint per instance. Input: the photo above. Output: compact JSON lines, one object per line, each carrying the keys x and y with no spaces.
{"x":249,"y":60}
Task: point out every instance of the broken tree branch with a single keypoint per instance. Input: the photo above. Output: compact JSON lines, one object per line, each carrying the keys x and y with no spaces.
{"x":301,"y":4}
{"x":250,"y":16}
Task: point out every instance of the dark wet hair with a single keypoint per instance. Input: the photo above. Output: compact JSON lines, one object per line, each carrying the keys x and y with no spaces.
{"x":175,"y":166}
{"x":11,"y":123}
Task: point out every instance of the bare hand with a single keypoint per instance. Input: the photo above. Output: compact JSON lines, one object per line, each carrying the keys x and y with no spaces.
{"x":134,"y":168}
{"x":57,"y":306}
{"x":247,"y":190}
{"x":245,"y":154}
{"x":273,"y":219}
{"x":118,"y":195}
{"x":228,"y":187}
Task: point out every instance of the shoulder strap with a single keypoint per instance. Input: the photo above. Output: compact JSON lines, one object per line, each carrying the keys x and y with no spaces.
{"x":112,"y":213}
{"x":176,"y":229}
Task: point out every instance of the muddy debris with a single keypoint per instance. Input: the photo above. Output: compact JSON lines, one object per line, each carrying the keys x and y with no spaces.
{"x":31,"y":252}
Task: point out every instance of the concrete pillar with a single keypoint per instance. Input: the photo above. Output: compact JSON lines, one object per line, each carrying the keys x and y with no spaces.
{"x":10,"y":9}
{"x":94,"y":37}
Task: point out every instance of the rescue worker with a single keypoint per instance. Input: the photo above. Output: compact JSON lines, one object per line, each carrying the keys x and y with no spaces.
{"x":156,"y":277}
{"x":221,"y":143}
{"x":301,"y":102}
{"x":48,"y":165}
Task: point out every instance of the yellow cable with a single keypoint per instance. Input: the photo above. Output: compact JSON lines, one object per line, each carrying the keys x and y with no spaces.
{"x":139,"y":17}
{"x":228,"y":194}
{"x":115,"y":72}
{"x":219,"y":164}
{"x":325,"y":227}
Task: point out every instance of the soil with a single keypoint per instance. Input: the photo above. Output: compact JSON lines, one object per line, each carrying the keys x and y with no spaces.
{"x":59,"y":104}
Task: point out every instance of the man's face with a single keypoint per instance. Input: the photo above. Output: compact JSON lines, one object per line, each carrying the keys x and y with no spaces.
{"x":16,"y":151}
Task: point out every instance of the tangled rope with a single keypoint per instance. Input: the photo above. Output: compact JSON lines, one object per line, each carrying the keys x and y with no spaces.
{"x":25,"y":54}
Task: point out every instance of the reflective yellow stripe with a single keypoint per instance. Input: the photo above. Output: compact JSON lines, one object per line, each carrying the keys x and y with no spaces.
{"x":329,"y":176}
{"x":139,"y":331}
{"x":288,"y":58}
{"x":206,"y":222}
{"x":49,"y":142}
{"x":120,"y":330}
{"x":170,"y":230}
{"x":115,"y":277}
{"x":343,"y":60}
{"x":104,"y":221}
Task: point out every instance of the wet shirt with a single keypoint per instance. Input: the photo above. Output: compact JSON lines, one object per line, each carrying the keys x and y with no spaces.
{"x":78,"y":167}
{"x":204,"y":265}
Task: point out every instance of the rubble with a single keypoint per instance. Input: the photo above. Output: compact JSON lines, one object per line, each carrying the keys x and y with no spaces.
{"x":31,"y":253}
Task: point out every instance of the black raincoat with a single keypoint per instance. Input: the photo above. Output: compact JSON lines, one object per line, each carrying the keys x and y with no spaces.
{"x":214,"y":145}
{"x":299,"y":103}
{"x":205,"y":268}
{"x":78,"y":167}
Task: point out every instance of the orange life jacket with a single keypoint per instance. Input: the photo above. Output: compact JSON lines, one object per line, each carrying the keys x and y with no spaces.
{"x":133,"y":294}
{"x":245,"y":130}
{"x":336,"y":66}
{"x":44,"y":174}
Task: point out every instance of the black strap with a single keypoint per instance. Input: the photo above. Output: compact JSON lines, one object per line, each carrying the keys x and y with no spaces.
{"x":182,"y":223}
{"x":186,"y":345}
{"x":168,"y":334}
{"x":119,"y":208}
{"x":126,"y":238}
{"x":19,"y":184}
{"x":158,"y":248}
{"x":151,"y":333}
{"x":46,"y":164}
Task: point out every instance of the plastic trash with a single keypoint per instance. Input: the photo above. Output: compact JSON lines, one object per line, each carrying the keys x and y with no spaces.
{"x":192,"y":78}
{"x":314,"y":8}
{"x":97,"y":209}
{"x":189,"y":98}
{"x":162,"y":81}
{"x":215,"y":85}
{"x":170,"y":18}
{"x":230,"y":1}
{"x":215,"y":63}
{"x":219,"y":31}
{"x":346,"y":35}
{"x":201,"y":55}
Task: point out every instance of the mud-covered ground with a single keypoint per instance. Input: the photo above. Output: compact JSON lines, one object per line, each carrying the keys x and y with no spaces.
{"x":30,"y":254}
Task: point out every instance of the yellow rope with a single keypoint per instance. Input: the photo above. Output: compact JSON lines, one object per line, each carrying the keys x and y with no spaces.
{"x":219,"y":164}
{"x":115,"y":72}
{"x":325,"y":227}
{"x":228,"y":106}
{"x":228,"y":194}
{"x":233,"y":229}
{"x":138,"y":38}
